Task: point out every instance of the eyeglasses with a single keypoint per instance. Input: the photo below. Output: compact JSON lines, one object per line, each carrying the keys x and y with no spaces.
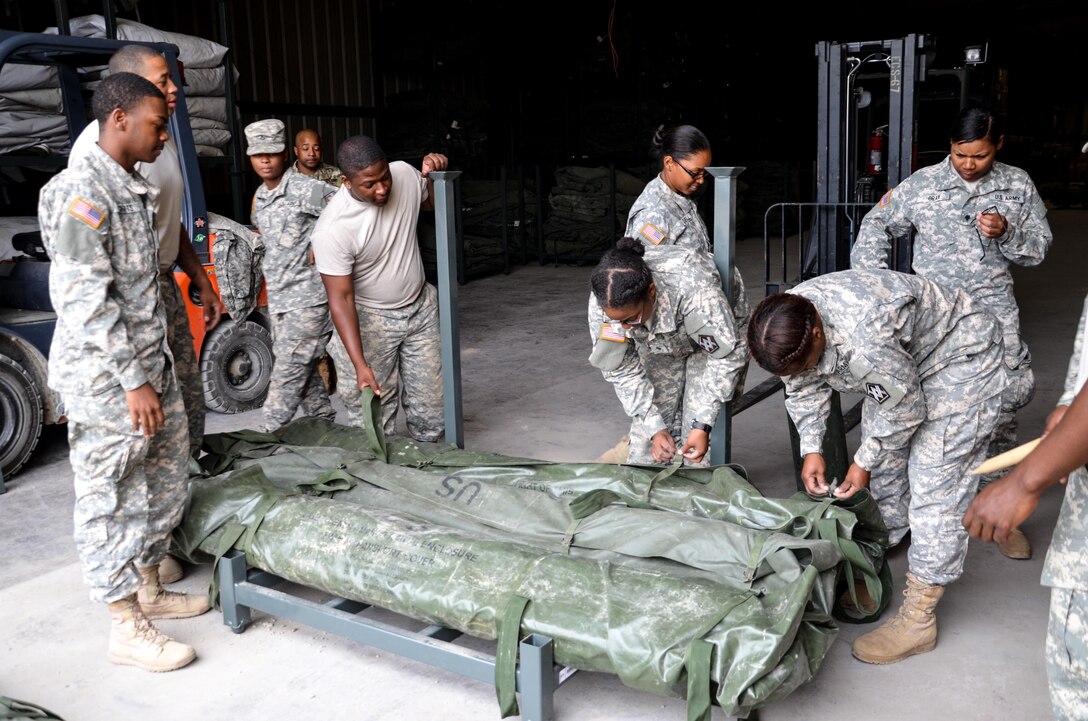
{"x":694,"y":176}
{"x":633,"y":322}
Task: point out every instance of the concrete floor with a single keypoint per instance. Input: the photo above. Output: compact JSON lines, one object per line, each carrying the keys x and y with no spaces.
{"x":529,"y":391}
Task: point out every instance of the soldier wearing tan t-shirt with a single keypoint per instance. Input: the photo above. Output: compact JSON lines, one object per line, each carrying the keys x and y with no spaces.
{"x":367,"y":252}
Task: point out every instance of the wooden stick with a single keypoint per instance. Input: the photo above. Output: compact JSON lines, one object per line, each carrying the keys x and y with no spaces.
{"x":1006,"y":459}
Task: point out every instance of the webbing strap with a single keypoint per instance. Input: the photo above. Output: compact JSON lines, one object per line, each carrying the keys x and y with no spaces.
{"x":375,"y":434}
{"x":506,"y":655}
{"x":334,"y":479}
{"x":665,"y":473}
{"x":568,"y":537}
{"x":232,"y":532}
{"x":697,"y":664}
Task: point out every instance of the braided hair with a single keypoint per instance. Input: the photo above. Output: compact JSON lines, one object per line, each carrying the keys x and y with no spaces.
{"x":622,"y":277}
{"x":780,"y":331}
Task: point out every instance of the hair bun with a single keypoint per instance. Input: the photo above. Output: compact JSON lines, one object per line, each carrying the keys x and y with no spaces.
{"x":631,"y":244}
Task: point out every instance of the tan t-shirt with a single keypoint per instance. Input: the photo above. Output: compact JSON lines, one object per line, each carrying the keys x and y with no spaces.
{"x":376,"y":245}
{"x":165,"y":174}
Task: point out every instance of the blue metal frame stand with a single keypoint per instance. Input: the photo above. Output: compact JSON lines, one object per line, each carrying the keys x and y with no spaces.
{"x":242,"y":591}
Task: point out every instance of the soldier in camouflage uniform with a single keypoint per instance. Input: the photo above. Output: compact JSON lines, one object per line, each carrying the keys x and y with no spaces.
{"x":308,"y":154}
{"x":928,"y":360}
{"x":368,"y":255}
{"x":1005,"y":504}
{"x":670,"y":346}
{"x":174,"y":247}
{"x":285,"y":208}
{"x":972,"y":217}
{"x":111,"y":362}
{"x":665,"y":215}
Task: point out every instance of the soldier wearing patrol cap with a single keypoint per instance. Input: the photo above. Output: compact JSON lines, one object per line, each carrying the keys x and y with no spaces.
{"x":929,"y":360}
{"x":672,"y":345}
{"x":285,"y":208}
{"x":111,"y":361}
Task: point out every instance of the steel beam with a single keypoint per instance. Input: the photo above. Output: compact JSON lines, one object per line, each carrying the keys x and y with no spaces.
{"x":725,"y":257}
{"x":445,"y":225}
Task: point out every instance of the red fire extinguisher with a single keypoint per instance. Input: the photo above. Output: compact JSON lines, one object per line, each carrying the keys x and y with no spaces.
{"x":878,"y":142}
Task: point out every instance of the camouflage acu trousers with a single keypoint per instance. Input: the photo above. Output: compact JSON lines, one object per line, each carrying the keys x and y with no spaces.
{"x":299,"y":338}
{"x":130,"y":490}
{"x":668,"y":374}
{"x":1018,"y":393}
{"x":402,"y":348}
{"x":186,"y":366}
{"x":1067,"y":654}
{"x":926,"y":487}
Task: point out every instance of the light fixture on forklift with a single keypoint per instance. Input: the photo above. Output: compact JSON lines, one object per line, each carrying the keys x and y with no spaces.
{"x":975,"y":54}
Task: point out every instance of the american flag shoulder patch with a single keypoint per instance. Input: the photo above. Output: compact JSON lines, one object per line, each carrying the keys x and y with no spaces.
{"x":86,"y":212}
{"x":886,"y":198}
{"x":652,"y":234}
{"x":613,"y":332}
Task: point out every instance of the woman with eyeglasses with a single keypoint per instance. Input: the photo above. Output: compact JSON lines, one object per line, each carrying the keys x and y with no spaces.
{"x":929,"y":361}
{"x":671,"y":346}
{"x":972,"y":217}
{"x":665,"y":213}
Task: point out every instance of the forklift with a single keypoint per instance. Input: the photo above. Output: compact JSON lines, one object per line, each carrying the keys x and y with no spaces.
{"x":235,"y":358}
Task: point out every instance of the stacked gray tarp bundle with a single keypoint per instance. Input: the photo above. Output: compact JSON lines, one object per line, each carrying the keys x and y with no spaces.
{"x":205,"y":90}
{"x":680,"y":581}
{"x":481,"y":226}
{"x":31,"y":114}
{"x":578,"y":227}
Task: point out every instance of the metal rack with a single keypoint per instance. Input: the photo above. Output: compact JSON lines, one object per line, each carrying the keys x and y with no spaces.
{"x":243,"y":590}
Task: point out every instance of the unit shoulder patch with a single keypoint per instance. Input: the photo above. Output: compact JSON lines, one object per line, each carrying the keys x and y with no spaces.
{"x":877,"y":392}
{"x":886,"y":198}
{"x":708,"y":343}
{"x":86,"y":212}
{"x":652,"y":234}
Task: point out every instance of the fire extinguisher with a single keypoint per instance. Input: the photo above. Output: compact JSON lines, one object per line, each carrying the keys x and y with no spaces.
{"x":878,"y":143}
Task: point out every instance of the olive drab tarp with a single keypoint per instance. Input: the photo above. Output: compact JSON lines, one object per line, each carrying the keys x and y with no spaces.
{"x":13,"y":710}
{"x":680,"y":581}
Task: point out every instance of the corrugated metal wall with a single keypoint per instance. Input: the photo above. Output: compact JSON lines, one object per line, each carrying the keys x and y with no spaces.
{"x":312,"y":59}
{"x":306,"y":63}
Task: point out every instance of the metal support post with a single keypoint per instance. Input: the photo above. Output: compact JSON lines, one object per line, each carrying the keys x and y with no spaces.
{"x":445,"y":223}
{"x":536,"y":678}
{"x":725,"y":254}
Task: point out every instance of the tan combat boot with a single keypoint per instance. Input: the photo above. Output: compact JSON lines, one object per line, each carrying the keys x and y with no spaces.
{"x":135,"y":642}
{"x":170,"y":570}
{"x":617,"y":453}
{"x":157,"y":602}
{"x":1016,"y":546}
{"x":912,"y":630}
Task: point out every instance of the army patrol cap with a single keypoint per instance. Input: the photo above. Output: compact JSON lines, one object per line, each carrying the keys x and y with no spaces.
{"x":265,"y":136}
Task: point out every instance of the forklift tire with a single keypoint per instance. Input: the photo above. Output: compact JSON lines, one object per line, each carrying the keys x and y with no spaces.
{"x":20,"y":416}
{"x":236,"y":366}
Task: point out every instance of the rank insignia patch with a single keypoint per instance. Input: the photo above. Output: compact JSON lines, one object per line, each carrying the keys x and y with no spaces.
{"x":876,"y":392}
{"x":86,"y":212}
{"x":652,"y":234}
